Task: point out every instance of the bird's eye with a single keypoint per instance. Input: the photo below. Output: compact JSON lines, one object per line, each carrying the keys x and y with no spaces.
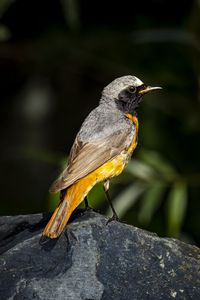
{"x":132,"y":89}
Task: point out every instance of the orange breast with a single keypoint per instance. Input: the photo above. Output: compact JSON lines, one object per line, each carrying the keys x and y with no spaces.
{"x":134,"y":142}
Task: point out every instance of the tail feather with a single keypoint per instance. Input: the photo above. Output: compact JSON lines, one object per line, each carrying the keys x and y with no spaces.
{"x":73,"y":197}
{"x":56,"y":224}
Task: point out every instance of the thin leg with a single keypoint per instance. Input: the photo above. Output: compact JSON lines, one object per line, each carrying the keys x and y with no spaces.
{"x":62,"y":195}
{"x":106,"y":188}
{"x":86,"y":203}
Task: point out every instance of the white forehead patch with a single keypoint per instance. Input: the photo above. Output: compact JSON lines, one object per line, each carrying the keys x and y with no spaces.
{"x":138,"y":82}
{"x":113,"y":89}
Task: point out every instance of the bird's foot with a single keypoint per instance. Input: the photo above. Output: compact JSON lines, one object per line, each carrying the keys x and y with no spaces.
{"x":113,"y":218}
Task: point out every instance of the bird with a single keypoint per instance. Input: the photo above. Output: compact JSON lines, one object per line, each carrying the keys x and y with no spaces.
{"x":101,"y":150}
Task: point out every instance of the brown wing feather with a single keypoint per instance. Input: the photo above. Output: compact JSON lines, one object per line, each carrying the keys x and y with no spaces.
{"x":85,"y":158}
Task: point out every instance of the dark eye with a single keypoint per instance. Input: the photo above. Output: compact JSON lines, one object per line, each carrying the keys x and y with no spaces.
{"x":132,"y":89}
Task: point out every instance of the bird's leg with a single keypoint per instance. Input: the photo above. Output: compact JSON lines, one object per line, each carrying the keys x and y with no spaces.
{"x":62,"y":195}
{"x":106,"y":188}
{"x":87,"y":207}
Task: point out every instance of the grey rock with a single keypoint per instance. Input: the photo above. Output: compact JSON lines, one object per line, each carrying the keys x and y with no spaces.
{"x":93,"y":261}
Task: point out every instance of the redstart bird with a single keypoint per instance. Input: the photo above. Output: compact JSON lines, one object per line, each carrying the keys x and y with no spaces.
{"x":101,"y":150}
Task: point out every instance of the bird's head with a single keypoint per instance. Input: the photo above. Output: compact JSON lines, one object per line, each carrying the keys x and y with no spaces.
{"x":126,"y":92}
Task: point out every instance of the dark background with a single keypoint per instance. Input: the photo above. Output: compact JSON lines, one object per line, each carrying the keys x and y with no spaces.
{"x":55,"y":58}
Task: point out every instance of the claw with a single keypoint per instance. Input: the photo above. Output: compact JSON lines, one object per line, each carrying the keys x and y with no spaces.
{"x":113,"y":218}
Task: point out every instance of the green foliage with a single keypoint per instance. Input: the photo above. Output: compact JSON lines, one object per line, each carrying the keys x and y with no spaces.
{"x":71,"y":13}
{"x":155,"y":180}
{"x":127,"y":198}
{"x":53,"y":200}
{"x":4,"y":33}
{"x":150,"y":202}
{"x":4,"y":5}
{"x":176,"y":208}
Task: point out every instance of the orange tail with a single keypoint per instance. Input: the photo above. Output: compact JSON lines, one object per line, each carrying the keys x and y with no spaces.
{"x":73,"y":197}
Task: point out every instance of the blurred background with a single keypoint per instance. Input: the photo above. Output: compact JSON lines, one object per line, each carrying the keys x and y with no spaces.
{"x":55,"y":58}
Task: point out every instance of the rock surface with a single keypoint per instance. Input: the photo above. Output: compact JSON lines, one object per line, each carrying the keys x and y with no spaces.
{"x":92,"y":260}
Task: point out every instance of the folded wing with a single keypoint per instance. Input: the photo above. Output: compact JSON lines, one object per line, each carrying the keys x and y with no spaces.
{"x":85,"y":158}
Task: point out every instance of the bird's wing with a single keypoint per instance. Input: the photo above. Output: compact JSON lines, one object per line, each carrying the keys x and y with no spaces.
{"x":85,"y":158}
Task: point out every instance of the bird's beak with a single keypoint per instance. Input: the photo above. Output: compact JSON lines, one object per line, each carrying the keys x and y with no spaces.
{"x":147,"y":89}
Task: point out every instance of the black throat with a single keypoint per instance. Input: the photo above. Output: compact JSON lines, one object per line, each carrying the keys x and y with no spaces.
{"x":128,"y":103}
